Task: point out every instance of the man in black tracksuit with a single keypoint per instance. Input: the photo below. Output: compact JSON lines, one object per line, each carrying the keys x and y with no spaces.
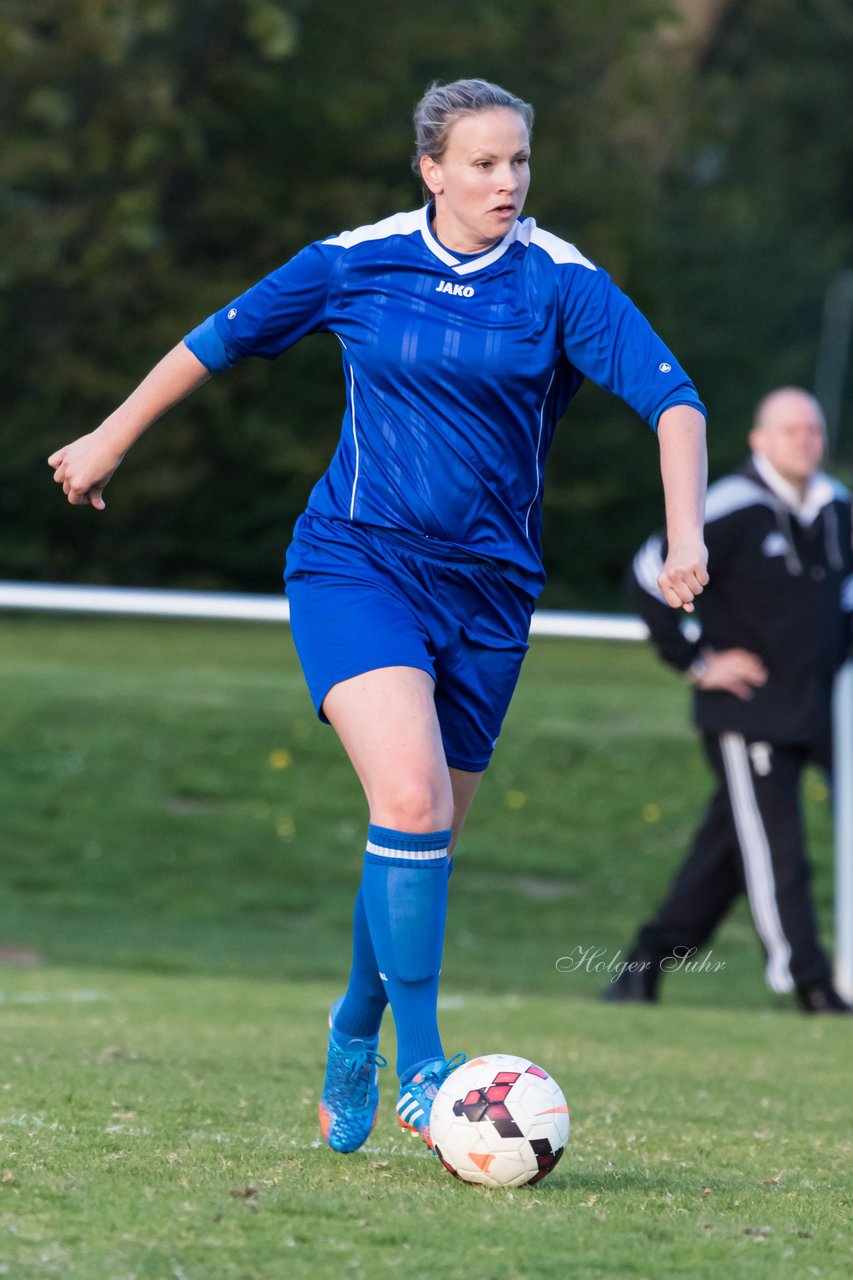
{"x":774,"y":630}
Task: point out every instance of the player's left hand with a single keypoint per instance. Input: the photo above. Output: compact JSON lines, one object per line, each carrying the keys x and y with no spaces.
{"x":685,"y":573}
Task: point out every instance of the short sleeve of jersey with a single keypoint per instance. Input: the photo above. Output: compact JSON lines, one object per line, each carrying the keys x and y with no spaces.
{"x":610,"y":341}
{"x":275,"y":313}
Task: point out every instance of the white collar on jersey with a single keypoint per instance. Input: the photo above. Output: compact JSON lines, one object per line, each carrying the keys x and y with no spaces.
{"x":806,"y":509}
{"x":473,"y":264}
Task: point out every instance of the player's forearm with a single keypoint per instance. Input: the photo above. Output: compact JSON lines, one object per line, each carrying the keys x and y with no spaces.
{"x":169,"y":382}
{"x":684,"y":470}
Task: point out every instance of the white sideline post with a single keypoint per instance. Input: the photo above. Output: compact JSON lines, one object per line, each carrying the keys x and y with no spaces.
{"x":142,"y":602}
{"x":139,"y":602}
{"x":843,"y":805}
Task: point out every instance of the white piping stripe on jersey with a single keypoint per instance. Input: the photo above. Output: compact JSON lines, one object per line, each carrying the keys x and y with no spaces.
{"x":354,"y":432}
{"x":355,"y":440}
{"x":524,"y":231}
{"x":559,"y":251}
{"x":412,"y":855}
{"x":443,"y":255}
{"x":398,"y":224}
{"x":538,"y":445}
{"x":465,"y":268}
{"x":758,"y":867}
{"x":468,"y":268}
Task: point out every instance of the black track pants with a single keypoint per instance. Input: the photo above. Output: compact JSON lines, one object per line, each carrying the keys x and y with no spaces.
{"x":751,"y":840}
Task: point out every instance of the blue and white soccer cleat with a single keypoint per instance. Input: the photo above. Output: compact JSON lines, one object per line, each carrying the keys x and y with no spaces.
{"x":350,"y":1095}
{"x":416,"y":1095}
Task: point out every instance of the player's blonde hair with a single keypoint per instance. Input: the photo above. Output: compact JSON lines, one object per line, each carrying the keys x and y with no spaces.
{"x":443,"y":104}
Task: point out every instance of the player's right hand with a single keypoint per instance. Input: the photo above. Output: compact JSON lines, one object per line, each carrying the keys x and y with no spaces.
{"x":84,"y":469}
{"x":734,"y":671}
{"x":684,"y":576}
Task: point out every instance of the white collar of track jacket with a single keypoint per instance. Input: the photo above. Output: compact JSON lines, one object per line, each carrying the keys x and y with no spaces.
{"x":806,"y":509}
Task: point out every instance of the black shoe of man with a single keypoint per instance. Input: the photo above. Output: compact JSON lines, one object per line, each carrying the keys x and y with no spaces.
{"x":821,"y":997}
{"x":638,"y":982}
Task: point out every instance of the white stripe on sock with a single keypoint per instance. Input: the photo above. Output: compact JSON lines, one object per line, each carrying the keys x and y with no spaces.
{"x":758,"y":866}
{"x":412,"y":855}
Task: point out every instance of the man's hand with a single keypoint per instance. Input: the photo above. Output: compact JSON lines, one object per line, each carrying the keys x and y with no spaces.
{"x":734,"y":671}
{"x":685,"y":573}
{"x":84,"y":469}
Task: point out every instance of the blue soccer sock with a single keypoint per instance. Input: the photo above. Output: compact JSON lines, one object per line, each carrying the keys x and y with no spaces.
{"x":359,"y":1014}
{"x":404,"y":885}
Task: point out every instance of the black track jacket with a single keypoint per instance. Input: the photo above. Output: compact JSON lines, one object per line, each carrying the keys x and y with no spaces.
{"x":781,"y":586}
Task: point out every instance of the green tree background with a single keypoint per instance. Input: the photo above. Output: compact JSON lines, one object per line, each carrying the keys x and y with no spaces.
{"x":157,"y":157}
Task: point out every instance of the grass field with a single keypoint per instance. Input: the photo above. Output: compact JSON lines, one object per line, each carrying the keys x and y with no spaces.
{"x":180,"y":847}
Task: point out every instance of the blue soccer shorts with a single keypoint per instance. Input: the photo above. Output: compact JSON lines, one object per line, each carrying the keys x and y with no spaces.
{"x":363,"y":598}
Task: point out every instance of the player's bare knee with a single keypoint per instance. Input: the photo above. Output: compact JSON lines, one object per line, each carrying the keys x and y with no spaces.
{"x":415,"y":804}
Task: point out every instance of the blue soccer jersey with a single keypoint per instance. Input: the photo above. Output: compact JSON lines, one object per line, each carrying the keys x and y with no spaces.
{"x":456,"y":370}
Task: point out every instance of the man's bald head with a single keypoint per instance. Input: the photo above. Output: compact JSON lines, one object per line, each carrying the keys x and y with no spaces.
{"x":789,"y":430}
{"x":786,"y":402}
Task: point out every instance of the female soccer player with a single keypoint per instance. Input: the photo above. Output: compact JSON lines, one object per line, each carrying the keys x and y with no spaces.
{"x":465,"y":331}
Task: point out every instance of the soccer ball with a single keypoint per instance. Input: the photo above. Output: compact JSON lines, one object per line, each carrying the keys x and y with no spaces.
{"x":500,"y":1121}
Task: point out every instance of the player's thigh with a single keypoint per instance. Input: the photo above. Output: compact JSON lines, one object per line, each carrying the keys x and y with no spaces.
{"x":386,"y":720}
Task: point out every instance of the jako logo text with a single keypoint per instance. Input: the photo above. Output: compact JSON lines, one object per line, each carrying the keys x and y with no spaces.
{"x":458,"y":290}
